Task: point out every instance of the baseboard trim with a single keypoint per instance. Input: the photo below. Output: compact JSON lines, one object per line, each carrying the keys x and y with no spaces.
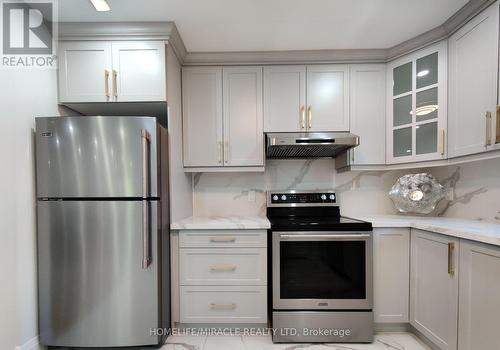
{"x":391,"y":327}
{"x":32,"y":344}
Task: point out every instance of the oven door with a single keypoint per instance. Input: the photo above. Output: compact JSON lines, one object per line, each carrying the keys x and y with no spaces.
{"x":322,"y":270}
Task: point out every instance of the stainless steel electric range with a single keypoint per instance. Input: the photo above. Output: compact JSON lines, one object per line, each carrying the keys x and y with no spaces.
{"x":321,"y":276}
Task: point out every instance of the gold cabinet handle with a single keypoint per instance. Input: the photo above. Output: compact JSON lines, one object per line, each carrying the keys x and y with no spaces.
{"x":216,"y":306}
{"x":302,"y":117}
{"x":219,"y":151}
{"x":222,"y":268}
{"x":115,"y":87}
{"x":352,"y":155}
{"x":497,"y":138}
{"x":106,"y":83}
{"x":222,"y":239}
{"x":488,"y":129}
{"x":451,"y":268}
{"x":309,"y":117}
{"x":226,"y":152}
{"x":443,"y":142}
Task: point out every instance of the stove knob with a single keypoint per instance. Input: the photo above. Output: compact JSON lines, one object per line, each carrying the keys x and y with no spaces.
{"x":283,"y":198}
{"x":323,"y":197}
{"x":332,"y":197}
{"x":275,"y":198}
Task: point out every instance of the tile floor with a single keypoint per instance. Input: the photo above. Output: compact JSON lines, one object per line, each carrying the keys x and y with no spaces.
{"x":383,"y":341}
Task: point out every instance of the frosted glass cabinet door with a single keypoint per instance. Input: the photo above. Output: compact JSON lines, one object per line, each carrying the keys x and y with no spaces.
{"x":328,"y":97}
{"x":84,"y":71}
{"x":417,"y":103}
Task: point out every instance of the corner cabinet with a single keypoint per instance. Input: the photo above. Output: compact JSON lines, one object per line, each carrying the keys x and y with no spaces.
{"x":417,"y":106}
{"x":311,"y":98}
{"x":222,"y":118}
{"x":434,"y":287}
{"x":117,"y":71}
{"x":473,"y":52}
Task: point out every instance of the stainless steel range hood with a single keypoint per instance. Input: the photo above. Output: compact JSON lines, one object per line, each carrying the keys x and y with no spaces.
{"x":309,"y":145}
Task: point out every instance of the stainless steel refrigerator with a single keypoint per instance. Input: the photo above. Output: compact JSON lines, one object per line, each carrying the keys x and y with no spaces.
{"x":102,"y":231}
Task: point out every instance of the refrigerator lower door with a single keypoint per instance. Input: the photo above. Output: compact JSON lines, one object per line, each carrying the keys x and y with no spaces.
{"x":93,"y":288}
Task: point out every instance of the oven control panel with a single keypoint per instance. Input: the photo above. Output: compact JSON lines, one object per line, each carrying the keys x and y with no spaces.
{"x":325,"y":197}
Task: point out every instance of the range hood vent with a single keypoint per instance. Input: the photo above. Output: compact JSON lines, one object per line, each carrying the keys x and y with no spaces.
{"x":308,"y":145}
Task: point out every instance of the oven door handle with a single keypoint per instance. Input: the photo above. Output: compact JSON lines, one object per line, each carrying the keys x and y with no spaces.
{"x":325,"y":236}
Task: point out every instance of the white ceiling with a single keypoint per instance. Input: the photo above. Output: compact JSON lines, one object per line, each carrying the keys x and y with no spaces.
{"x":254,"y":25}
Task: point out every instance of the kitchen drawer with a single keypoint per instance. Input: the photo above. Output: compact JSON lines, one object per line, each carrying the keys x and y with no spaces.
{"x":225,"y":304}
{"x":223,"y":238}
{"x":223,"y":266}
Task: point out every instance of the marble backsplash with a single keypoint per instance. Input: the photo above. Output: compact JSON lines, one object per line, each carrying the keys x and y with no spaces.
{"x":476,"y":188}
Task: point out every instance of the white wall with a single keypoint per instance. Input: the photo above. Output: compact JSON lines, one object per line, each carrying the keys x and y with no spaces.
{"x":24,"y":94}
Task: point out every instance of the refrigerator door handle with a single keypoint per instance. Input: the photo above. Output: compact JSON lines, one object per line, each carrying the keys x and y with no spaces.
{"x":146,"y":139}
{"x":146,"y":257}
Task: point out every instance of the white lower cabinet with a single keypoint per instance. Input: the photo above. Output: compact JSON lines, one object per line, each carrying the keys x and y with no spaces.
{"x":434,"y":287}
{"x":479,"y":304}
{"x":223,"y":276}
{"x":223,"y":304}
{"x":391,"y":269}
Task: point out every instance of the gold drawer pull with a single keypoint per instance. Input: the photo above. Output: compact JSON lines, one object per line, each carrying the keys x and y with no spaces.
{"x":488,"y":129}
{"x":303,"y":117}
{"x":223,"y":239}
{"x":215,"y":306}
{"x":223,"y":267}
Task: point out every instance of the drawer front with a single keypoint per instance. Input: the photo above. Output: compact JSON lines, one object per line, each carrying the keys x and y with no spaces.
{"x":223,"y":238}
{"x":223,"y":266}
{"x":225,"y":304}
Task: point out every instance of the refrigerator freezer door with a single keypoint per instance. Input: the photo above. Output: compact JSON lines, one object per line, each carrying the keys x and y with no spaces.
{"x":95,"y":157}
{"x":93,"y":289}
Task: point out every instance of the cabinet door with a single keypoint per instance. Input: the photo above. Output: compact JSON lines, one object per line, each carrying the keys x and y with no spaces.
{"x":284,"y":98}
{"x":139,"y":71}
{"x":473,"y":83}
{"x":434,"y":287}
{"x":416,"y":106}
{"x":243,"y":121}
{"x":391,"y":274}
{"x":202,"y":116}
{"x":479,"y":309}
{"x":367,"y":106}
{"x":84,"y":71}
{"x":328,"y":97}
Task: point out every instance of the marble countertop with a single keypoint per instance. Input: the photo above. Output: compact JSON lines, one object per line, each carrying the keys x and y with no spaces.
{"x":481,"y":231}
{"x":221,"y":223}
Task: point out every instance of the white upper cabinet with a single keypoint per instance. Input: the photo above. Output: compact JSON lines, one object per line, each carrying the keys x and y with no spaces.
{"x":104,"y":71}
{"x":367,"y":113}
{"x":243,"y":120}
{"x":306,"y":98}
{"x":473,"y":74}
{"x":434,"y":287}
{"x":85,"y":71}
{"x":328,"y":97}
{"x":139,"y":71}
{"x":417,"y":106}
{"x":285,"y":98}
{"x":202,"y":116}
{"x":222,"y":117}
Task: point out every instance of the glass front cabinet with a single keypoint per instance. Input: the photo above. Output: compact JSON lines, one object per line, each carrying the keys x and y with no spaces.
{"x":416,"y":106}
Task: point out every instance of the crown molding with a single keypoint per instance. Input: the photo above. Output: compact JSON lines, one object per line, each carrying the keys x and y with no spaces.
{"x":166,"y":31}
